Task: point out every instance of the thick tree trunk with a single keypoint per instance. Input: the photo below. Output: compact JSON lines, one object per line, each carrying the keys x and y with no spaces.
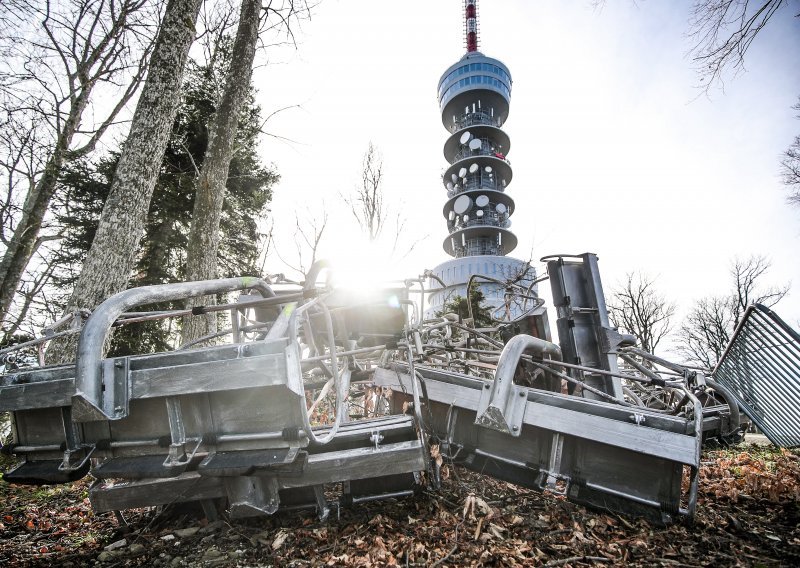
{"x":201,"y":256}
{"x":112,"y":256}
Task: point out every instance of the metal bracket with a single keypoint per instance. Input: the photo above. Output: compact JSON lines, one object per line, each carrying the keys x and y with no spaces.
{"x":499,"y":412}
{"x":69,"y":463}
{"x":252,"y":496}
{"x":115,"y":394}
{"x":376,"y":438}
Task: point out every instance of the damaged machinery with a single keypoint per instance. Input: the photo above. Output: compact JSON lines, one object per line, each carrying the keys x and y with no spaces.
{"x":323,"y":398}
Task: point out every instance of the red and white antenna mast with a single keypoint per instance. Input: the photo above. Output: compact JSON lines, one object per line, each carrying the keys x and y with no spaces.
{"x":471,"y":24}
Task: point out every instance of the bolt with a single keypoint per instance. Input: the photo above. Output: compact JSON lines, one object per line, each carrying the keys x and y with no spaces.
{"x":515,"y":428}
{"x":522,"y":393}
{"x":486,"y":386}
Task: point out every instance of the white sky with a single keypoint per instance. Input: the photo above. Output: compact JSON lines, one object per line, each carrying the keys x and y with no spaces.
{"x":614,"y":150}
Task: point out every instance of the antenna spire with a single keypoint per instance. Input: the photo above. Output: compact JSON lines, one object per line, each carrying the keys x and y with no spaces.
{"x":471,"y":24}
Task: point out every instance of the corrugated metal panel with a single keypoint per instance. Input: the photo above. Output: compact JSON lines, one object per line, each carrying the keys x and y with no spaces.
{"x":761,"y":366}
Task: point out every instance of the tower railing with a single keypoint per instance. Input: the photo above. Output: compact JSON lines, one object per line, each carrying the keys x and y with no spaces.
{"x":474,"y":119}
{"x":485,"y":150}
{"x":474,"y":181}
{"x":478,"y":249}
{"x":484,"y":221}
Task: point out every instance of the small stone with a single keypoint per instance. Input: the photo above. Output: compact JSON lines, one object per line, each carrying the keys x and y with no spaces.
{"x":107,"y":556}
{"x":137,"y":548}
{"x":212,"y":527}
{"x":185,"y":533}
{"x":211,"y":554}
{"x":116,"y":545}
{"x":168,"y":537}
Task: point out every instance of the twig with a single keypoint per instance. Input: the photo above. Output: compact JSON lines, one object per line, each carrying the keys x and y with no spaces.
{"x":452,"y":550}
{"x":577,"y":559}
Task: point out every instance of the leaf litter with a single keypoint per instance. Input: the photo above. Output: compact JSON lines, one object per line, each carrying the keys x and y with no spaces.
{"x":748,"y":514}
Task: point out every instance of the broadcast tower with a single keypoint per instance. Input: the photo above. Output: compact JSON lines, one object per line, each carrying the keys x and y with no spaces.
{"x":474,"y":98}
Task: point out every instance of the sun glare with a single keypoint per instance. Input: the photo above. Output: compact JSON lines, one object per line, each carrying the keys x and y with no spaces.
{"x":364,"y":268}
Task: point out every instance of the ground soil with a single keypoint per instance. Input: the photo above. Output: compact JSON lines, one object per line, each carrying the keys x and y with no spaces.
{"x":748,"y":515}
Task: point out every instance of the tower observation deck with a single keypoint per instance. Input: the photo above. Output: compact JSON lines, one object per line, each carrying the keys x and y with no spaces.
{"x":474,"y":98}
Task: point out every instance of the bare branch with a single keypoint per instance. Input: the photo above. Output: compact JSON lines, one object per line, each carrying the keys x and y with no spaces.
{"x":722,"y":32}
{"x":637,"y":308}
{"x":709,"y":326}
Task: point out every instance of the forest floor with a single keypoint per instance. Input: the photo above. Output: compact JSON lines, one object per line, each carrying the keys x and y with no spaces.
{"x":748,"y":514}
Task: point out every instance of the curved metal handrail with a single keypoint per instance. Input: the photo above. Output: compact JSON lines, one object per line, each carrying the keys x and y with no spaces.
{"x":88,"y":401}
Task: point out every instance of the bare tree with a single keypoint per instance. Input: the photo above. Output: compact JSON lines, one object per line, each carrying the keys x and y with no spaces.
{"x":638,"y":308}
{"x":723,"y":30}
{"x":370,"y":210}
{"x":112,"y":256}
{"x":367,"y":205}
{"x":308,"y":234}
{"x":50,"y":72}
{"x":747,"y":275}
{"x":705,"y":333}
{"x":791,"y":168}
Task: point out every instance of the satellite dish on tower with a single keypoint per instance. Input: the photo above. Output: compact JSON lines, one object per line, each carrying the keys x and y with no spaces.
{"x":465,"y":137}
{"x":475,"y":144}
{"x":479,"y":213}
{"x":462,"y":204}
{"x":466,"y":218}
{"x":455,"y":178}
{"x":488,"y":169}
{"x":500,"y":208}
{"x":451,"y":216}
{"x":474,"y":168}
{"x":462,"y":172}
{"x":482,"y":201}
{"x":449,"y":185}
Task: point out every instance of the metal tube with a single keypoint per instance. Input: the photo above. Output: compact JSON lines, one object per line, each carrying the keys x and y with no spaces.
{"x":254,"y":437}
{"x":509,"y":359}
{"x":88,"y":398}
{"x":345,"y":353}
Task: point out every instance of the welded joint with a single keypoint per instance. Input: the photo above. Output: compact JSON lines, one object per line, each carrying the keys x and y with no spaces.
{"x":376,"y":438}
{"x":502,"y":403}
{"x":502,"y":413}
{"x":638,"y":418}
{"x":554,"y":464}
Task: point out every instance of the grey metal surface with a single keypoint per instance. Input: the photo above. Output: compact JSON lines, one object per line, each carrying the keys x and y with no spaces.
{"x":91,"y":401}
{"x":599,"y":454}
{"x":582,"y":322}
{"x":761,"y":368}
{"x":232,"y":422}
{"x":502,"y":405}
{"x":235,"y":414}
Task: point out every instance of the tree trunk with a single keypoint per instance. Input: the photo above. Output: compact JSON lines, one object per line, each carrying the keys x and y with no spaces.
{"x":22,"y":244}
{"x":201,"y":256}
{"x":112,"y":256}
{"x":93,"y":41}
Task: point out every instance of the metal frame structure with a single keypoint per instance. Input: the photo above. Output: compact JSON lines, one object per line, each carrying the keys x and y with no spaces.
{"x":234,"y":422}
{"x":761,"y":370}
